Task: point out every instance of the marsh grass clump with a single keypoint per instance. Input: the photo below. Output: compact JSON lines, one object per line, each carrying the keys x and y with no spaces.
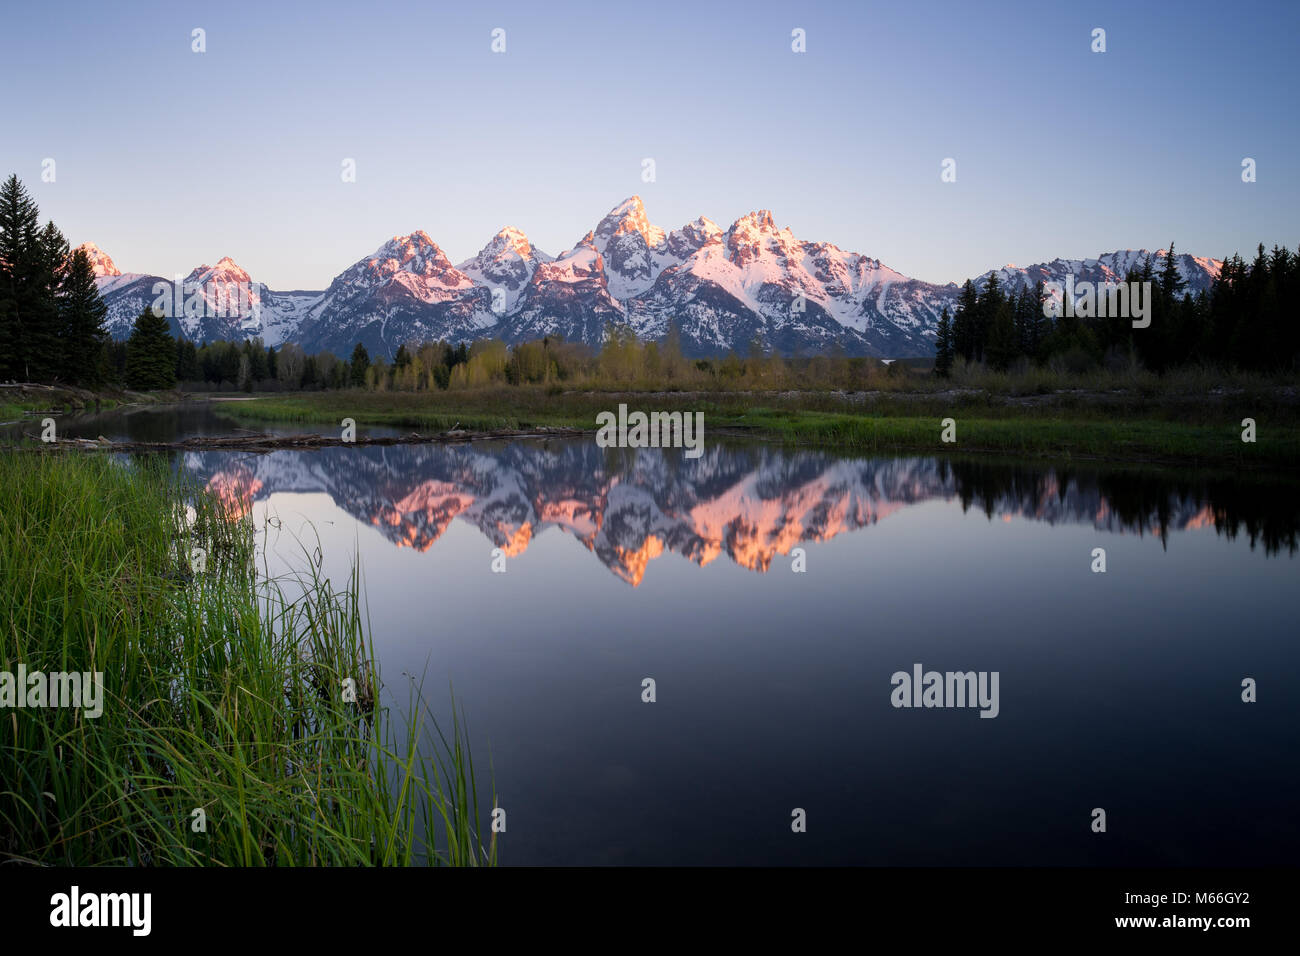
{"x":226,"y":736}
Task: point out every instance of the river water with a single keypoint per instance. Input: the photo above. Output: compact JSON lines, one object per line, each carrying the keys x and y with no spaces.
{"x":772,"y":596}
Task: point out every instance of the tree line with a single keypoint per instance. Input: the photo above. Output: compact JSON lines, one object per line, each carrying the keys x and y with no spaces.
{"x":51,"y":315}
{"x":1244,"y":321}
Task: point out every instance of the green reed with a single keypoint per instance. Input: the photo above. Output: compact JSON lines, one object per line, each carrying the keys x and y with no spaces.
{"x":224,"y":692}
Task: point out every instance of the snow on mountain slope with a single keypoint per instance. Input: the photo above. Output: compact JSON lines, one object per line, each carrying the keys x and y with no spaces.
{"x":125,"y":295}
{"x":100,"y":261}
{"x":724,"y":289}
{"x":634,"y":251}
{"x":406,"y":291}
{"x":757,"y":281}
{"x":507,"y":262}
{"x":212,"y":302}
{"x":1198,"y":272}
{"x":568,"y":297}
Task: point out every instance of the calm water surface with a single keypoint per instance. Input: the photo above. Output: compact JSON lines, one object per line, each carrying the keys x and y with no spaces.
{"x":1119,"y":690}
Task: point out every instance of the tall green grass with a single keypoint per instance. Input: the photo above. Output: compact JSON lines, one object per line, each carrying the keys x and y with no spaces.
{"x":223,"y":691}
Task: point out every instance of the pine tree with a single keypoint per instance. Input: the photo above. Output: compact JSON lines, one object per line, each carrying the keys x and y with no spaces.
{"x":1040,"y":324}
{"x":113,"y":361}
{"x":943,"y":346}
{"x":187,"y":362}
{"x":21,"y":307}
{"x":1171,"y":282}
{"x":43,"y":342}
{"x":1020,"y":320}
{"x":228,"y":361}
{"x":150,"y":353}
{"x":257,"y":358}
{"x":990,"y":302}
{"x":360,"y":362}
{"x":1001,"y":348}
{"x":963,"y":323}
{"x":82,"y":326}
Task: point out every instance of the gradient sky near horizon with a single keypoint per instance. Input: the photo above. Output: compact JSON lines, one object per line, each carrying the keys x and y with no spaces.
{"x":167,"y":158}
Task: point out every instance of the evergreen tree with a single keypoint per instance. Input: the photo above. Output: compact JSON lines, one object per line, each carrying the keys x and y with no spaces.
{"x":258,"y":360}
{"x":230,"y":356}
{"x":44,"y":344}
{"x":338,"y":373}
{"x":187,"y":362}
{"x":1001,"y":349}
{"x":1171,"y":282}
{"x":943,"y":346}
{"x":360,"y":362}
{"x":150,"y":353}
{"x":1020,"y":320}
{"x":82,"y":325}
{"x":113,"y":361}
{"x":1039,"y":323}
{"x":990,"y":302}
{"x":21,"y":306}
{"x":963,"y":323}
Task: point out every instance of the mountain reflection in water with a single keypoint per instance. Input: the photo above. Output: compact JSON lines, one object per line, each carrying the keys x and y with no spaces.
{"x":752,"y":503}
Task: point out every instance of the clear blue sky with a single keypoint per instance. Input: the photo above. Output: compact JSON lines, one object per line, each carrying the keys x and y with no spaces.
{"x":167,"y":158}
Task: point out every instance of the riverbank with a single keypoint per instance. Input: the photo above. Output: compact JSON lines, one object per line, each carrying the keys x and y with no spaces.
{"x":208,"y":723}
{"x":19,"y":400}
{"x":1176,"y":429}
{"x":267,"y":442}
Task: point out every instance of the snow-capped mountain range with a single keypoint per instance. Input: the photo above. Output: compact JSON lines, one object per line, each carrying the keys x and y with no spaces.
{"x":723,"y":287}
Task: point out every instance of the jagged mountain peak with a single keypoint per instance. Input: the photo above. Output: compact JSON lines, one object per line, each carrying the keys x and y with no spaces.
{"x":506,"y":263}
{"x":700,"y":231}
{"x":516,"y":238}
{"x":100,"y":261}
{"x":754,"y":237}
{"x":410,"y":244}
{"x":508,"y":241}
{"x":226,"y":270}
{"x":627,"y":217}
{"x":705,"y":224}
{"x":584,"y":257}
{"x":415,"y":253}
{"x":632,"y":205}
{"x":758,"y":221}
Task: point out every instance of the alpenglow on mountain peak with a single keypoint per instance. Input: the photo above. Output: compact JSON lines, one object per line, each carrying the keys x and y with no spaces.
{"x":721,"y":288}
{"x":100,"y":261}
